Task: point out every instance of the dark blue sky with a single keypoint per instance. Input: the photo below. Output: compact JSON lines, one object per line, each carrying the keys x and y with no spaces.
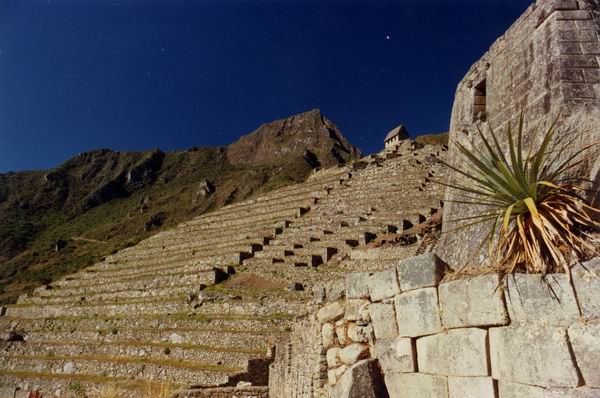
{"x":138,"y":74}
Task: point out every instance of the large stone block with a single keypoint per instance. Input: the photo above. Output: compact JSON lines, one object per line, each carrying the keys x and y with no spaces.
{"x":532,"y":355}
{"x":516,"y":390}
{"x":548,"y":301}
{"x":586,"y":279}
{"x":421,"y":271}
{"x":417,"y":312}
{"x":331,"y":312}
{"x":395,"y":355}
{"x":353,"y":308}
{"x":416,"y":385}
{"x":360,"y":334}
{"x":382,"y":317}
{"x":585,"y":340}
{"x":357,"y":286}
{"x":361,"y":380}
{"x":458,"y":352}
{"x":353,"y":353}
{"x":472,"y":302}
{"x":383,"y":285}
{"x":335,"y":290}
{"x":471,"y":387}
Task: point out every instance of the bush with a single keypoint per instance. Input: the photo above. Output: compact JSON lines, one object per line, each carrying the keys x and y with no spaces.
{"x":538,"y":218}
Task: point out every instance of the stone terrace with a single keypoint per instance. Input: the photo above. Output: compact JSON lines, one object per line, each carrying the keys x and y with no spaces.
{"x":157,"y":310}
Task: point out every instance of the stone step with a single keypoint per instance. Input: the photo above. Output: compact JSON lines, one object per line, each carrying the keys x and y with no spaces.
{"x":280,"y":214}
{"x":254,"y":340}
{"x":178,"y":272}
{"x":144,"y":308}
{"x":276,"y":322}
{"x":199,"y":245}
{"x":181,"y":236}
{"x":120,"y":366}
{"x":109,"y":295}
{"x":229,"y":257}
{"x":261,"y":208}
{"x":303,"y":261}
{"x":129,"y":271}
{"x":211,"y":355}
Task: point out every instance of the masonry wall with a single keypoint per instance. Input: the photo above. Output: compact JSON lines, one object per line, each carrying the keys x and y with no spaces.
{"x":295,"y":371}
{"x":545,"y":64}
{"x":431,"y":336}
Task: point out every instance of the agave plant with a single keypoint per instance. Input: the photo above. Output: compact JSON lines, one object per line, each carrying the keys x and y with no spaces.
{"x":539,"y":221}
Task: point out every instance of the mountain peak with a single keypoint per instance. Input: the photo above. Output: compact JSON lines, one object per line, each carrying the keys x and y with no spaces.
{"x":281,"y":140}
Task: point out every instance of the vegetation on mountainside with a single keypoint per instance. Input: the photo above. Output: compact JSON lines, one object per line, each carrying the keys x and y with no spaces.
{"x":433,"y":139}
{"x":539,"y":218}
{"x":57,"y":222}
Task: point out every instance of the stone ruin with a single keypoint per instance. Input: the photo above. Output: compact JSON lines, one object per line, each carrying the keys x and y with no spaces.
{"x":331,"y":288}
{"x":202,"y":305}
{"x":395,"y":138}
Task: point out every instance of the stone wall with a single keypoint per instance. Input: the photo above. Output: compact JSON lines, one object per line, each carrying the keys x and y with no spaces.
{"x":411,"y":331}
{"x":295,"y":371}
{"x":545,"y":64}
{"x":226,"y":392}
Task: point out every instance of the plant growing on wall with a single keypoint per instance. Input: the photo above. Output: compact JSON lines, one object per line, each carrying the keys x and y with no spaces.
{"x":539,"y":220}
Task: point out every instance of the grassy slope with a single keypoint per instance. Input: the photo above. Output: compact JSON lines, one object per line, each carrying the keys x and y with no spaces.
{"x":38,"y":223}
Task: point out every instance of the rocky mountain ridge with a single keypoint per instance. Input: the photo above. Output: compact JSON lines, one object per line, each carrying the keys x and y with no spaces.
{"x":58,"y":221}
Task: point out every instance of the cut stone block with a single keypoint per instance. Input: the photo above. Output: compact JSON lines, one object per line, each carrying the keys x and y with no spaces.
{"x":516,"y":390}
{"x":472,"y":302}
{"x":471,"y":387}
{"x":421,"y":271}
{"x":360,"y":334}
{"x":319,"y":294}
{"x":332,"y":376}
{"x":382,"y":316}
{"x":395,"y":355}
{"x":335,"y":290}
{"x":586,"y":279}
{"x":532,"y":355}
{"x":458,"y":352}
{"x":328,"y":335}
{"x":357,"y":286}
{"x":585,"y":340}
{"x":549,"y":301}
{"x":417,"y":312}
{"x":383,"y":285}
{"x":341,"y":331}
{"x":331,"y":312}
{"x":353,"y":353}
{"x":361,"y":380}
{"x":416,"y":385}
{"x":353,"y":307}
{"x":333,"y":357}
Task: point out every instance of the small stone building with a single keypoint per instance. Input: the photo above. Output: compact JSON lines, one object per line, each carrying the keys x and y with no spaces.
{"x":395,"y":137}
{"x":545,"y":65}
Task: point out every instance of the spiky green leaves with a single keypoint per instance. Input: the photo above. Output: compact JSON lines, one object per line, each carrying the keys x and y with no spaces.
{"x":539,"y":223}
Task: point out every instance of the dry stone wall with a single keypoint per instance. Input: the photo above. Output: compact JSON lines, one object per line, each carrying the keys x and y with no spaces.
{"x":546,"y":63}
{"x":410,"y":331}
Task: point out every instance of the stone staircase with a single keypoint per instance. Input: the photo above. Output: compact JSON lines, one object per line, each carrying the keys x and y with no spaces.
{"x":386,"y":193}
{"x":178,"y":306}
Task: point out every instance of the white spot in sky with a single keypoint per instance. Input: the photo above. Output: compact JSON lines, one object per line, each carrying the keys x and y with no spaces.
{"x":388,"y":37}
